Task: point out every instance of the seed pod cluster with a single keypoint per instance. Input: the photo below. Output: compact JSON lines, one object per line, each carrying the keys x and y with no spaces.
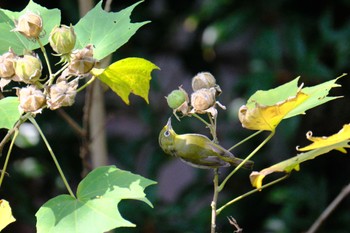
{"x":203,"y":97}
{"x":36,"y":91}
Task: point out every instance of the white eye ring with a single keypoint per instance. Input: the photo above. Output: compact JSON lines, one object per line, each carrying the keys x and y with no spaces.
{"x":167,"y":133}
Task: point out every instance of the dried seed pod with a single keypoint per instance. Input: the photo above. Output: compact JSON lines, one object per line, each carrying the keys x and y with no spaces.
{"x":31,"y":99}
{"x":82,"y":61}
{"x":62,"y":93}
{"x":28,"y":68}
{"x":7,"y":69}
{"x":205,"y":80}
{"x":203,"y":99}
{"x":30,"y":25}
{"x":62,"y":39}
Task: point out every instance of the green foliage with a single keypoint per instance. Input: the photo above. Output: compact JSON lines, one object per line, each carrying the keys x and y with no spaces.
{"x":95,"y":207}
{"x":18,"y":42}
{"x":9,"y":112}
{"x":106,"y":31}
{"x":130,"y":75}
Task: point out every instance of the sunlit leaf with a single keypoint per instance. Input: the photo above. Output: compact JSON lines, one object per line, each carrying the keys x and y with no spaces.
{"x":95,"y":208}
{"x":319,"y":142}
{"x":320,"y":146}
{"x":5,"y":214}
{"x":107,"y":31}
{"x":130,"y":75}
{"x":264,"y":117}
{"x":9,"y":112}
{"x":18,"y":42}
{"x":266,"y":109}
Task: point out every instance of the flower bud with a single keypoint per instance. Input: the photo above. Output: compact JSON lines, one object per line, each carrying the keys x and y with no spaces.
{"x":31,"y":99}
{"x":203,"y":99}
{"x":82,"y":61}
{"x":62,"y":39}
{"x":62,"y":93}
{"x":7,"y":69}
{"x":30,"y":25}
{"x":28,"y":68}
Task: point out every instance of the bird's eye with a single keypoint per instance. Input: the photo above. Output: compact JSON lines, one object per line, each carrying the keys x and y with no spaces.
{"x":167,"y":133}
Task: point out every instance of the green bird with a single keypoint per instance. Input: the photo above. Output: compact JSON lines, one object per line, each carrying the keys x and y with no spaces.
{"x":197,"y":150}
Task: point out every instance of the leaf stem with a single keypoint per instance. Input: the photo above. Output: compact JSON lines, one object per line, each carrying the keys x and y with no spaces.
{"x":218,"y":211}
{"x":86,"y":84}
{"x":214,"y":202}
{"x":222,"y":185}
{"x":246,"y":139}
{"x":3,"y":171}
{"x":53,"y":156}
{"x":43,"y":50}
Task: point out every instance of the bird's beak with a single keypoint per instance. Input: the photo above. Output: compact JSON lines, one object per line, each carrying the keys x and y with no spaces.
{"x":168,"y":124}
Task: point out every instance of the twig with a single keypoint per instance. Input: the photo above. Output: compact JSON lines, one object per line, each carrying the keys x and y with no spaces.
{"x":75,"y":126}
{"x":214,"y":202}
{"x":325,"y":214}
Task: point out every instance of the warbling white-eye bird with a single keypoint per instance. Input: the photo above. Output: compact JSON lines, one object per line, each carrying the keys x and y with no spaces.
{"x":197,"y":150}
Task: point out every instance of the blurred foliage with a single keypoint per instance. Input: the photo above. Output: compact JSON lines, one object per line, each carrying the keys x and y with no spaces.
{"x":247,"y":45}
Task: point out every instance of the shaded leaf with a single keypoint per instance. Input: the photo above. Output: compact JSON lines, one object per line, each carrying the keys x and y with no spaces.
{"x":107,"y":31}
{"x":266,"y":109}
{"x":320,"y":146}
{"x":6,"y":216}
{"x":130,"y":75}
{"x":9,"y":112}
{"x":18,"y":42}
{"x":95,"y":207}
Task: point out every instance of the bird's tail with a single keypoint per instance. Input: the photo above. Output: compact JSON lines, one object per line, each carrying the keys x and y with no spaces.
{"x":248,"y":164}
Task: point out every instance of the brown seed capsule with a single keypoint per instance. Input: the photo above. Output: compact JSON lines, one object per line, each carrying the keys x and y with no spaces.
{"x":82,"y":61}
{"x":62,"y":39}
{"x":62,"y":93}
{"x":203,"y":99}
{"x":7,"y":69}
{"x":28,"y":68}
{"x":203,"y":80}
{"x":30,"y":25}
{"x":31,"y":99}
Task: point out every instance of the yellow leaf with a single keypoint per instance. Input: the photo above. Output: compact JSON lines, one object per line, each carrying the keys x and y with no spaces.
{"x":262,"y":117}
{"x":319,"y":142}
{"x":5,"y":214}
{"x":287,"y":166}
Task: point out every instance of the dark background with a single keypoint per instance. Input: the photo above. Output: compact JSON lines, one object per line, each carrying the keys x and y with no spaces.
{"x":246,"y":45}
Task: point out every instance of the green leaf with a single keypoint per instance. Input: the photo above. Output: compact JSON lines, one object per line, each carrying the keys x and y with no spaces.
{"x":18,"y":42}
{"x":317,"y":95}
{"x":106,"y":31}
{"x":9,"y":112}
{"x":95,"y":208}
{"x":130,"y":75}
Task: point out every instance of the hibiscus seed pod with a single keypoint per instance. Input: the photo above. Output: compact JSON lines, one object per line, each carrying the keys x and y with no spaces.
{"x":82,"y":61}
{"x":203,"y":80}
{"x":31,"y":99}
{"x":7,"y":69}
{"x":203,"y":99}
{"x":30,"y":25}
{"x":62,"y":94}
{"x":176,"y":98}
{"x":28,"y":68}
{"x":62,"y":39}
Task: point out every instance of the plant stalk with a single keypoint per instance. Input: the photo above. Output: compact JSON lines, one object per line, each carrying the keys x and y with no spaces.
{"x":3,"y":171}
{"x":53,"y":156}
{"x":214,"y":201}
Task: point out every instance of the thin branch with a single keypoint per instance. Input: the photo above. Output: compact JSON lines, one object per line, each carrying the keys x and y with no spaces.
{"x":325,"y":214}
{"x":75,"y":126}
{"x":215,"y":200}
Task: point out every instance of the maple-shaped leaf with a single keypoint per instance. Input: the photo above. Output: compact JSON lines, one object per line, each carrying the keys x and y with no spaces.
{"x":320,"y":146}
{"x":18,"y":42}
{"x":95,"y":208}
{"x":106,"y":31}
{"x":266,"y":109}
{"x":129,"y":75}
{"x":6,"y":216}
{"x":9,"y":112}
